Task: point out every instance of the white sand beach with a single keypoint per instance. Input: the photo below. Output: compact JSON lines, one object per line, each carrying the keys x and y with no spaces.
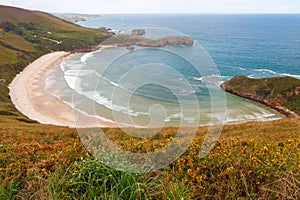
{"x":28,"y":93}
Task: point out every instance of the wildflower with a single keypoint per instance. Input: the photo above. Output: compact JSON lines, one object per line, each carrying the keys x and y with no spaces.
{"x":249,"y":172}
{"x":228,"y":169}
{"x":266,"y":150}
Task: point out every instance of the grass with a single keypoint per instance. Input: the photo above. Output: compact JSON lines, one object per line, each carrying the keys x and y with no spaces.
{"x":7,"y":56}
{"x":16,"y":41}
{"x":253,"y":160}
{"x":250,"y":161}
{"x":89,"y":179}
{"x":274,"y":85}
{"x":276,"y":91}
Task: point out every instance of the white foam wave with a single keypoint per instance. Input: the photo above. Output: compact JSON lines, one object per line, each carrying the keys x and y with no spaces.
{"x":104,"y":101}
{"x":212,"y":80}
{"x":266,"y":71}
{"x":72,"y":81}
{"x":79,"y":73}
{"x":73,"y":106}
{"x":180,"y":116}
{"x":291,"y":75}
{"x":86,"y":56}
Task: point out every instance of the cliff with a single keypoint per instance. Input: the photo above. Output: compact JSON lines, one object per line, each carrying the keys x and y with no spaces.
{"x":279,"y":93}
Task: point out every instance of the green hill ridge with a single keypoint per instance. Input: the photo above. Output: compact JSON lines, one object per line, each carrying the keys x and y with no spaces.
{"x":280,"y":93}
{"x":26,"y":35}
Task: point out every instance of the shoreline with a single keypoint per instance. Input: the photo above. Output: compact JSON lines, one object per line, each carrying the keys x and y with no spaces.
{"x":30,"y":97}
{"x":280,"y":109}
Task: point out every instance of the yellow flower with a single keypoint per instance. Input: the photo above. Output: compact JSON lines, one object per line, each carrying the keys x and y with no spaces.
{"x":229,"y":169}
{"x":266,"y":150}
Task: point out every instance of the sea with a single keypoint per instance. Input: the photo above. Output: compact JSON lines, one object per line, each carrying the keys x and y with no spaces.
{"x":173,"y":86}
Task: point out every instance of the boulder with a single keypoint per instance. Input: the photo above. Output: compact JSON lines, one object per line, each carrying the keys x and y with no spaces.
{"x":131,"y":48}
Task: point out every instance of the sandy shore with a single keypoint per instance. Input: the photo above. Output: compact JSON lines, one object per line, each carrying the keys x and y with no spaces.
{"x":28,"y":93}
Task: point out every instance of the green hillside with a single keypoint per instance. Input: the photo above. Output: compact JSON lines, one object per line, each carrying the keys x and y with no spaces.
{"x":250,"y":161}
{"x":26,"y":35}
{"x":281,"y":93}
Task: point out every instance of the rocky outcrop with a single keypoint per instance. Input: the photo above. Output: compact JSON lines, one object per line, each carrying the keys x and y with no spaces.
{"x":106,"y":30}
{"x":167,"y":41}
{"x":178,"y":40}
{"x":131,"y":40}
{"x":279,"y":93}
{"x":138,"y":32}
{"x":131,"y":48}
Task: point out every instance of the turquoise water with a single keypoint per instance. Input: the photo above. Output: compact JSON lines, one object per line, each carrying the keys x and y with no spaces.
{"x":153,"y":86}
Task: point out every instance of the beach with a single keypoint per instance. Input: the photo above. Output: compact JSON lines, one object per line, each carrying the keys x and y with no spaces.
{"x":28,"y":94}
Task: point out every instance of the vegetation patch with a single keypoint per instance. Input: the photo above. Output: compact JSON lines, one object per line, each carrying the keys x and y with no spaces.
{"x":281,"y":93}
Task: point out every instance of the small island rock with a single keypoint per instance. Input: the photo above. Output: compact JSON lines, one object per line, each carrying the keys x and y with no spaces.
{"x":138,"y":32}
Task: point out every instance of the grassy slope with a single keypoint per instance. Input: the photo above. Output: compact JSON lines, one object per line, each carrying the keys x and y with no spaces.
{"x":250,"y":161}
{"x":26,"y":35}
{"x":277,"y":91}
{"x":48,"y":162}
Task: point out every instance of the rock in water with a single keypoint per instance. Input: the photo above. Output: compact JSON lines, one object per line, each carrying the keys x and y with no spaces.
{"x":138,"y":32}
{"x":131,"y":48}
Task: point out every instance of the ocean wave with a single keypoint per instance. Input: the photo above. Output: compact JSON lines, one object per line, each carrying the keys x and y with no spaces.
{"x":109,"y":104}
{"x":180,"y":116}
{"x":291,"y":75}
{"x":79,"y":73}
{"x":72,"y":81}
{"x":266,"y":71}
{"x":270,"y":73}
{"x":261,"y":110}
{"x":86,"y":56}
{"x":104,"y":101}
{"x":73,"y":106}
{"x":66,"y":65}
{"x":214,"y":79}
{"x":85,"y":72}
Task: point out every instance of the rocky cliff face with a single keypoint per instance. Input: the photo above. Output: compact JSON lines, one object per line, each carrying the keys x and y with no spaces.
{"x":280,"y":93}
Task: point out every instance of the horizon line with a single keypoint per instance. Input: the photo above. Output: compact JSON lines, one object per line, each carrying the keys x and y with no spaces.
{"x":183,"y":13}
{"x":165,"y":12}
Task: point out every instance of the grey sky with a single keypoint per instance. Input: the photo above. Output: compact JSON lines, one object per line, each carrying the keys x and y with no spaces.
{"x":159,"y":6}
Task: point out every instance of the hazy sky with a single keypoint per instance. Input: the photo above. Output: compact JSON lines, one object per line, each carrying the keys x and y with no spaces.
{"x":159,"y":6}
